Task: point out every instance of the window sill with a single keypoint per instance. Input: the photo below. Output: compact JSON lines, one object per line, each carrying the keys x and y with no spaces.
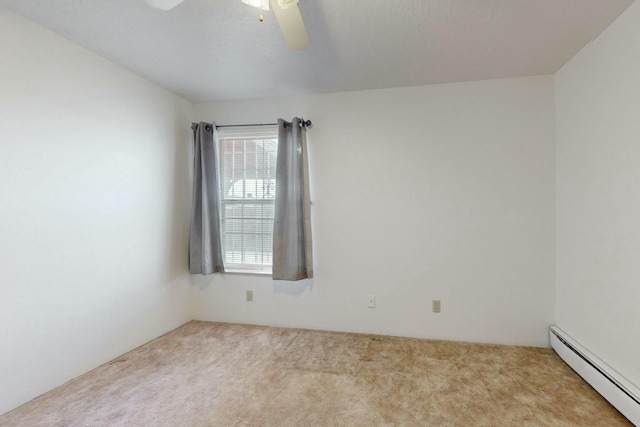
{"x":235,"y":271}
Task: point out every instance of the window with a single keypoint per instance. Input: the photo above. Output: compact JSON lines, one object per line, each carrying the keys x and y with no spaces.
{"x":247,"y":159}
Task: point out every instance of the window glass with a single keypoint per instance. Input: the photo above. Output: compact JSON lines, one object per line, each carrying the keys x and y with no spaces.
{"x":248,"y":188}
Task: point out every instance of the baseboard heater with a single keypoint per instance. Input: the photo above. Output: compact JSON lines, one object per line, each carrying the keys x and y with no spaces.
{"x":623,"y":395}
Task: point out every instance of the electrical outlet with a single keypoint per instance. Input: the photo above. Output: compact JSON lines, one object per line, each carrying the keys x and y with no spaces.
{"x":250,"y":296}
{"x":435,"y":306}
{"x":371,"y":301}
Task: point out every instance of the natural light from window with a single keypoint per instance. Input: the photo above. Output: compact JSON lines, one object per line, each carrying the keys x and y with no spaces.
{"x":247,"y":187}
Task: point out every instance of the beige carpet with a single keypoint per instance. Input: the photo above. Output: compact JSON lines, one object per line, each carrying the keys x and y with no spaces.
{"x":210,"y":374}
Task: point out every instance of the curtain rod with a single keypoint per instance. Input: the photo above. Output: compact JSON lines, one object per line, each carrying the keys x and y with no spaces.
{"x":303,"y":123}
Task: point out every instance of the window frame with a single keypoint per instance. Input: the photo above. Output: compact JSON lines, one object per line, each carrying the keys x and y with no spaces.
{"x":246,"y":133}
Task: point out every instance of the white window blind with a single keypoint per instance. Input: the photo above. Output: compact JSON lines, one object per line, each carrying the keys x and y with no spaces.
{"x":247,"y":159}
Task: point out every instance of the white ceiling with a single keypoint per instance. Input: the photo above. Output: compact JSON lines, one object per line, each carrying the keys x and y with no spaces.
{"x":217,"y":49}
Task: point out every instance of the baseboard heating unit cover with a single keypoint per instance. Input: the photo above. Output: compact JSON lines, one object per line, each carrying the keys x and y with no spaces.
{"x":623,"y":395}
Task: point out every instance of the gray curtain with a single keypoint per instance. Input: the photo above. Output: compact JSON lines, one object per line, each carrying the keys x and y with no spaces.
{"x":292,"y":254}
{"x":205,"y":245}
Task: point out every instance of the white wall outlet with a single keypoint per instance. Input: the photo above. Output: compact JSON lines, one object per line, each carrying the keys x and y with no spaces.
{"x":371,"y":301}
{"x":250,"y":296}
{"x":435,"y":306}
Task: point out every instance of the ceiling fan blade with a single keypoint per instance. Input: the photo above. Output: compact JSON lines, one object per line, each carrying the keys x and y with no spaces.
{"x":163,"y":4}
{"x":260,"y":4}
{"x":291,"y":25}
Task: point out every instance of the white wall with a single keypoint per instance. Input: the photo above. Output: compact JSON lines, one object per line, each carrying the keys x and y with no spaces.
{"x":436,"y":192}
{"x":598,"y":195}
{"x":93,"y":221}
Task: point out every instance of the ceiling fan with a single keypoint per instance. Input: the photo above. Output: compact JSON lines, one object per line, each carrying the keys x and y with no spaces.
{"x":286,"y":11}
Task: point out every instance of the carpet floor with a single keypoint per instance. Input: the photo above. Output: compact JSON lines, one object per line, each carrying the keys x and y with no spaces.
{"x":212,"y":374}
